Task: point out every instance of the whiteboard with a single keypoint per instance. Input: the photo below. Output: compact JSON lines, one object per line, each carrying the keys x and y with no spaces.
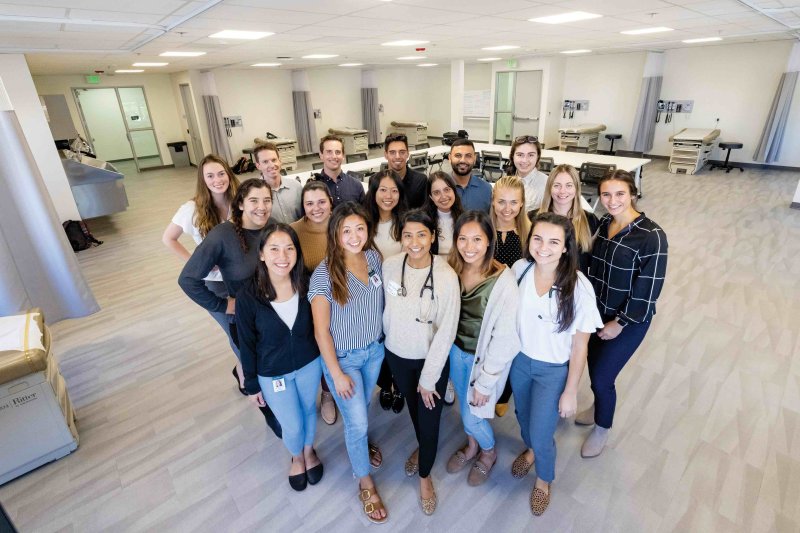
{"x":477,"y":103}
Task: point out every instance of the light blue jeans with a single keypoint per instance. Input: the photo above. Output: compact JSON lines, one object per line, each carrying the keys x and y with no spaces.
{"x":363,"y":366}
{"x":296,"y":407}
{"x":460,"y":370}
{"x":537,"y":387}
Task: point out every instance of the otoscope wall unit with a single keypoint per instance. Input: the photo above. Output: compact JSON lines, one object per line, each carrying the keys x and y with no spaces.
{"x":668,"y":107}
{"x":569,"y":107}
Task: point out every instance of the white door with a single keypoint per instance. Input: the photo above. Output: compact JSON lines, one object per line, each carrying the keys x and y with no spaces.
{"x":527,"y":102}
{"x":106,"y":128}
{"x":195,"y":145}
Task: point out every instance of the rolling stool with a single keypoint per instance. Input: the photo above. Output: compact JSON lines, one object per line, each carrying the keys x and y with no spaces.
{"x":728,"y":166}
{"x":613,"y":137}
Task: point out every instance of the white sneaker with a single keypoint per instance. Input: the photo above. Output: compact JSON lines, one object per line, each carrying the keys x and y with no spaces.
{"x":450,"y":394}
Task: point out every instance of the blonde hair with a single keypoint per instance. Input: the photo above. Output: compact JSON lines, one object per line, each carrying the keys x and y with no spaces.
{"x":576,"y":214}
{"x":521,"y":222}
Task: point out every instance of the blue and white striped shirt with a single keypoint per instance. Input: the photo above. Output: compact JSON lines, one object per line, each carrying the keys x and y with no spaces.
{"x":359,"y":322}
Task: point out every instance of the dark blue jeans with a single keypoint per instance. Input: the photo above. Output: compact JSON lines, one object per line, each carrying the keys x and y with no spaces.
{"x":605,"y":361}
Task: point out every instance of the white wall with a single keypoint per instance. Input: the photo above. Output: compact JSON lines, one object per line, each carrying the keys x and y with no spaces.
{"x":263,"y":98}
{"x":22,"y":93}
{"x":611,"y":83}
{"x":157,"y":89}
{"x":478,"y":77}
{"x":337,"y":93}
{"x":735,"y":83}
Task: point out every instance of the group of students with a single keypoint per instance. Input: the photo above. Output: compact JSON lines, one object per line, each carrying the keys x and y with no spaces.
{"x":423,"y":284}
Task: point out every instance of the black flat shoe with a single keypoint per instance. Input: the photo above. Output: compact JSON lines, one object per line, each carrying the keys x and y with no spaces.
{"x":299,"y":481}
{"x":385,"y":399}
{"x":314,"y":474}
{"x":398,"y":401}
{"x":236,"y":375}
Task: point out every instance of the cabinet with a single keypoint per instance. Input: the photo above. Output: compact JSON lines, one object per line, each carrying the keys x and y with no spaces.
{"x":416,"y":132}
{"x":356,"y":141}
{"x":691,"y":148}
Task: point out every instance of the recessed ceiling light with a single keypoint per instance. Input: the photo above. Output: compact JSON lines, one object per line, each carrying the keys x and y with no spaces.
{"x":128,"y":71}
{"x":427,"y":64}
{"x":150,"y":64}
{"x":182,"y":54}
{"x":351,"y":64}
{"x":572,"y":16}
{"x":703,"y":40}
{"x":411,"y":58}
{"x":266,"y":64}
{"x":490,"y":59}
{"x":584,"y":51}
{"x":320,"y":56}
{"x":237,"y":34}
{"x":501,"y":47}
{"x":642,"y":31}
{"x":407,"y":42}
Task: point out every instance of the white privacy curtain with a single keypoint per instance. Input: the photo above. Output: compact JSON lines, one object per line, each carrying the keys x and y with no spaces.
{"x":370,"y":106}
{"x":771,"y":142}
{"x":216,"y":125}
{"x":37,"y":265}
{"x":304,"y":125}
{"x":644,"y":123}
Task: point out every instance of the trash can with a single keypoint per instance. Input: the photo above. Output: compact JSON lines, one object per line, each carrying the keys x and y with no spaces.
{"x":179,"y":152}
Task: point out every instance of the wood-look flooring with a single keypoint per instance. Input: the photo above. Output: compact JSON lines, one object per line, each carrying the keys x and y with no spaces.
{"x":706,"y":438}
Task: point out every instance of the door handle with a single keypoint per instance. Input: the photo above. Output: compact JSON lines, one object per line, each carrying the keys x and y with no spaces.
{"x":515,"y":117}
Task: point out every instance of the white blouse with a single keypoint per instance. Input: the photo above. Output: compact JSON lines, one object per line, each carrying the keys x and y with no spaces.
{"x":446,"y":227}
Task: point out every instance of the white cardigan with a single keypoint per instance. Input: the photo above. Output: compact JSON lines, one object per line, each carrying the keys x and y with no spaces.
{"x":498,"y":344}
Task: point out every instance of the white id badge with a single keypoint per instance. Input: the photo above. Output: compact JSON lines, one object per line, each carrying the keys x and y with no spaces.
{"x":279,"y":385}
{"x":375,"y":279}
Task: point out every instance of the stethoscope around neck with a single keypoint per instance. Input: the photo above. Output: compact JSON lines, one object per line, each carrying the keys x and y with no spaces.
{"x":428,"y":280}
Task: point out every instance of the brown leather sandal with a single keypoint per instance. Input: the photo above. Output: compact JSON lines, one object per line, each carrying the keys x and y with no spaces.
{"x":375,"y":456}
{"x":370,"y":507}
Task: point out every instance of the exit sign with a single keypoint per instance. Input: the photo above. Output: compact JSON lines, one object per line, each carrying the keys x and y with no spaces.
{"x":93,"y":78}
{"x":511,"y":63}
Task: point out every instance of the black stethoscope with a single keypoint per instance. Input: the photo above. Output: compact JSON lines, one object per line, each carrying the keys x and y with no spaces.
{"x":428,"y":285}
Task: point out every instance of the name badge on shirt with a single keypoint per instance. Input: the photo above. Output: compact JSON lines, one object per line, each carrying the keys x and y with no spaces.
{"x":392,"y":288}
{"x":278,"y":385}
{"x":375,"y":278}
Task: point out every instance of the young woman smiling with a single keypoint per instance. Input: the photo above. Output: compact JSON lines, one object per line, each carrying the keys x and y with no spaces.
{"x":420,"y":319}
{"x":444,"y":207}
{"x":232,"y":247}
{"x":563,"y":197}
{"x":486,"y":339}
{"x":629,"y":264}
{"x":346,"y":296}
{"x":557,"y":313}
{"x":525,"y":153}
{"x":279,"y":354}
{"x":312,"y":230}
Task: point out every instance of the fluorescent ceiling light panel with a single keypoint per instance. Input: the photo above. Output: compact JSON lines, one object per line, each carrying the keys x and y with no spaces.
{"x":150,"y":64}
{"x":406,"y":42}
{"x":351,"y":64}
{"x":642,"y":31}
{"x":427,"y":64}
{"x":583,"y":51}
{"x":702,"y":40}
{"x":266,"y":65}
{"x":128,"y":71}
{"x":411,"y":58}
{"x":572,"y":16}
{"x":237,"y":34}
{"x":182,"y":54}
{"x":320,"y":56}
{"x":501,"y":47}
{"x":490,"y":59}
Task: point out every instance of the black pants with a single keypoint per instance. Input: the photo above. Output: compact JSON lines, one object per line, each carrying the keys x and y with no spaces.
{"x":406,"y":374}
{"x":506,"y":393}
{"x":385,"y":379}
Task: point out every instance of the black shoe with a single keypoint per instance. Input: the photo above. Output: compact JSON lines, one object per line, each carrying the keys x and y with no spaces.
{"x":272,"y":422}
{"x":398,"y":401}
{"x":236,"y":375}
{"x":314,"y":474}
{"x":298,"y":481}
{"x":385,"y":399}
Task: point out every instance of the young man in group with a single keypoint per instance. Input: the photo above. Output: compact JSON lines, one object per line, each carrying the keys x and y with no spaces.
{"x":286,"y":194}
{"x":396,"y":152}
{"x":475,"y":192}
{"x":342,"y":186}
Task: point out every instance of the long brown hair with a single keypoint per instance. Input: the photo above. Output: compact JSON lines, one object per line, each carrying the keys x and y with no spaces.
{"x":511,"y":169}
{"x":337,"y":269}
{"x":490,"y":264}
{"x":236,"y":210}
{"x":370,"y":203}
{"x":566,"y":271}
{"x":583,"y":234}
{"x":625,"y":177}
{"x":521,"y":222}
{"x":265,"y":290}
{"x":206,"y":215}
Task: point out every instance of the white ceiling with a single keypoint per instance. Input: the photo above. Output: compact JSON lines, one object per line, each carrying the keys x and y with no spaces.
{"x":80,"y":36}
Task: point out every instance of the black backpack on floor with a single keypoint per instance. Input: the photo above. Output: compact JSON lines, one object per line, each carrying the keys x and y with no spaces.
{"x":79,"y":236}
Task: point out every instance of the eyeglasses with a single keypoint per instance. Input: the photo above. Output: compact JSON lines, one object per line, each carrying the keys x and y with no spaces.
{"x":522,"y":139}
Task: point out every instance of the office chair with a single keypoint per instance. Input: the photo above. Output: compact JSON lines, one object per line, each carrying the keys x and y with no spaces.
{"x":637,"y":155}
{"x":422,"y":146}
{"x":384,"y":166}
{"x":590,"y":174}
{"x":493,"y":165}
{"x":352,"y":158}
{"x":318,"y":165}
{"x":578,"y":149}
{"x":418,"y":161}
{"x":546,"y":164}
{"x":283,"y":172}
{"x":437,"y":159}
{"x":357,"y":175}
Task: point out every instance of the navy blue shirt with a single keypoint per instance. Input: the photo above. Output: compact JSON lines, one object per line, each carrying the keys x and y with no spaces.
{"x":345,"y":189}
{"x":476,"y":195}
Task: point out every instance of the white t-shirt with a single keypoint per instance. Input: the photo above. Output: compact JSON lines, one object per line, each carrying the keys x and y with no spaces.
{"x":384,"y":241}
{"x":287,"y":310}
{"x":537,"y":315}
{"x":185,"y":219}
{"x":534,"y":183}
{"x":446,"y":227}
